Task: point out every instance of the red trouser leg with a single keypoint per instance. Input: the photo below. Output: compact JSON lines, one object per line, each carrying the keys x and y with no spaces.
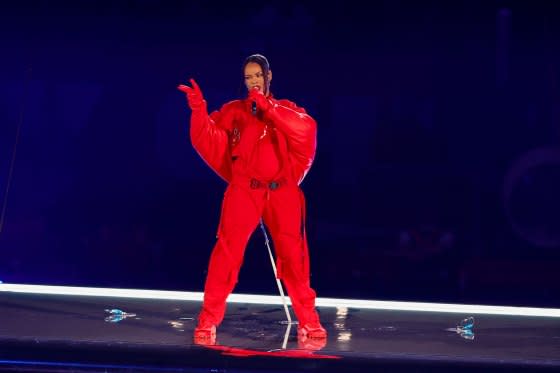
{"x":240,"y":215}
{"x":283,"y":217}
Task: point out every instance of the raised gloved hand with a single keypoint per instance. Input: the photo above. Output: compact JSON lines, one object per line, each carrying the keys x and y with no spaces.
{"x":263,"y":103}
{"x":194,"y":95}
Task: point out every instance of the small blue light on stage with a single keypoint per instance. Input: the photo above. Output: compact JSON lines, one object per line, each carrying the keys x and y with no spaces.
{"x":465,"y":328}
{"x":116,"y":315}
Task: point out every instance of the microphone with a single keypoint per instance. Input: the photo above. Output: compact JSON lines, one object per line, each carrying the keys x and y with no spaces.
{"x":254,"y":103}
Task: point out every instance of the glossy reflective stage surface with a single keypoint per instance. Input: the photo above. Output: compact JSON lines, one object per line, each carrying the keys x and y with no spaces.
{"x":85,"y":333}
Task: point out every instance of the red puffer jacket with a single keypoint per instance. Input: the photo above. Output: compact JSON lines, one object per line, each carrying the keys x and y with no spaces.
{"x":232,"y":132}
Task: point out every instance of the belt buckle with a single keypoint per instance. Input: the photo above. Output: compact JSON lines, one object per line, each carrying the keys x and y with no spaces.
{"x":254,"y":184}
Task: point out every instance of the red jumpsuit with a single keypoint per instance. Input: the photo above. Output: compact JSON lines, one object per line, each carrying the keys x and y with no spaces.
{"x":264,"y":158}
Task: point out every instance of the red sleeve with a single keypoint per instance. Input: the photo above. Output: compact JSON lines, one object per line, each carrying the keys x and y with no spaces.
{"x":210,"y":138}
{"x":300,"y":130}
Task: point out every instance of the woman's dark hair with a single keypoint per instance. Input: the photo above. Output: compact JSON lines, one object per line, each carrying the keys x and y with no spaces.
{"x":262,"y":62}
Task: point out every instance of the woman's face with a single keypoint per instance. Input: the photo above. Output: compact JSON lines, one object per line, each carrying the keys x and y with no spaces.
{"x":254,"y":77}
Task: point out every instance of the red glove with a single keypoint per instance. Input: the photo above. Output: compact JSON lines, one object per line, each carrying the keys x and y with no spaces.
{"x":263,"y":103}
{"x":194,"y":95}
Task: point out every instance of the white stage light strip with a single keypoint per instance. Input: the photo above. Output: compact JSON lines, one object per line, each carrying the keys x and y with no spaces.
{"x":276,"y":300}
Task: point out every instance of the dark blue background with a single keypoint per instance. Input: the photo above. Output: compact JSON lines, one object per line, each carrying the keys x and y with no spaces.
{"x":438,"y":168}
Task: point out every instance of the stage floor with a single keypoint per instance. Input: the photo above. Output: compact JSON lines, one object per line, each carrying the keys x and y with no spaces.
{"x":55,"y":329}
